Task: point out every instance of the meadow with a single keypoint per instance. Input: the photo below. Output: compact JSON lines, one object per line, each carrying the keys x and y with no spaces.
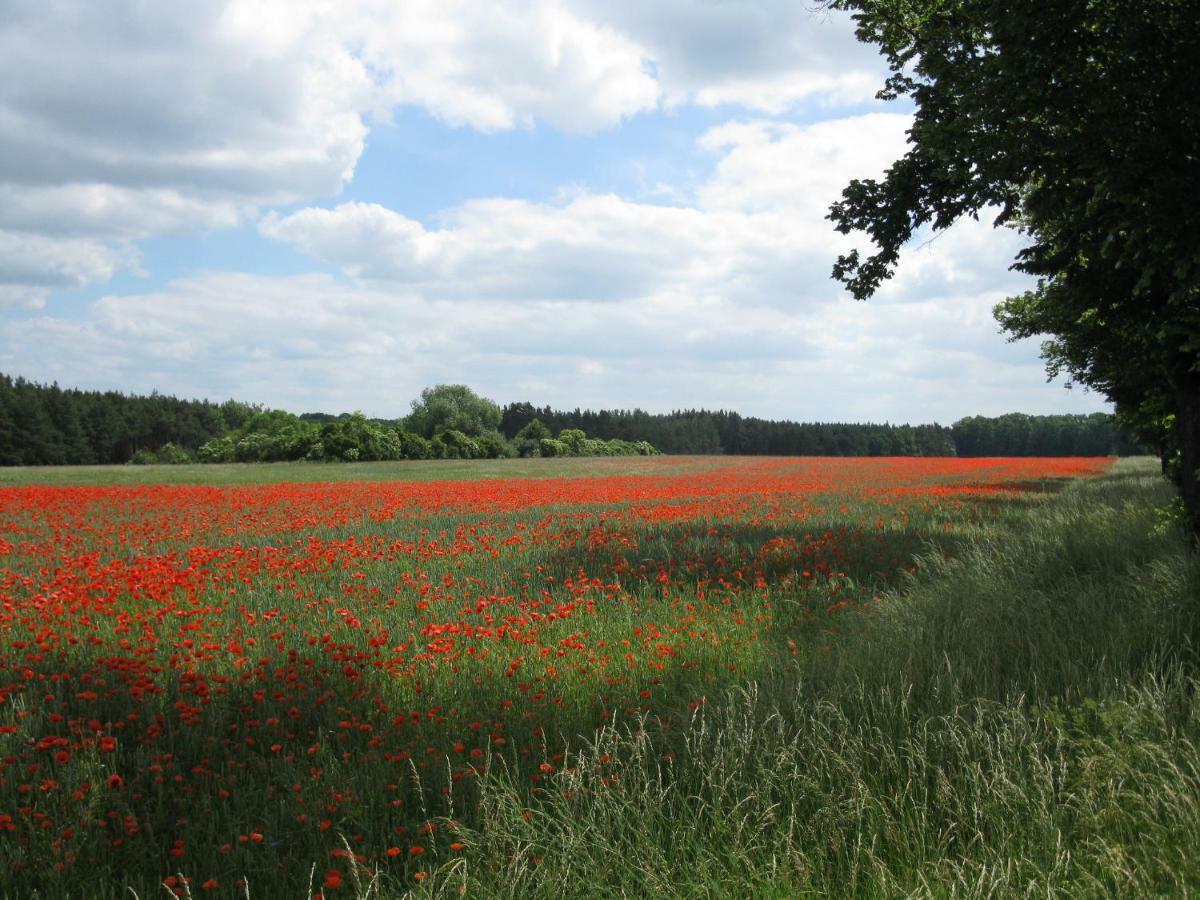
{"x":678,"y":677}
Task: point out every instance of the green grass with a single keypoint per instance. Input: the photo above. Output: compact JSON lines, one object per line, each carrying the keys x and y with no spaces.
{"x":1019,"y":720}
{"x":407,"y":470}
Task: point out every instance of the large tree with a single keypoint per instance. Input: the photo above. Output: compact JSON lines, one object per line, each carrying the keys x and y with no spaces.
{"x":1078,"y":122}
{"x":452,"y":407}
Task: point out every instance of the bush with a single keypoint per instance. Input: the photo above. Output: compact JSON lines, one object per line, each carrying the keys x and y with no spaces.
{"x":218,"y":450}
{"x":355,"y":437}
{"x":413,"y":446}
{"x":574,"y":440}
{"x":459,"y":446}
{"x":534,"y":431}
{"x":493,"y":446}
{"x":527,"y":441}
{"x":173,"y":455}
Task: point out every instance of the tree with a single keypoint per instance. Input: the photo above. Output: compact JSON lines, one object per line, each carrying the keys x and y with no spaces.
{"x":1078,"y":123}
{"x":528,"y":439}
{"x":452,"y":407}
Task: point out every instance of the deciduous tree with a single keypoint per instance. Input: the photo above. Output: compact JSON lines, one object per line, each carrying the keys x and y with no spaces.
{"x":1077,"y":122}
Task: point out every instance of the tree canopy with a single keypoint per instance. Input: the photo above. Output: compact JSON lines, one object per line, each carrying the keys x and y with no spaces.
{"x":452,"y":407}
{"x":1078,"y":123}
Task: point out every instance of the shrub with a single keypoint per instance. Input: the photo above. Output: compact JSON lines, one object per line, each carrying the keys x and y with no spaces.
{"x":574,"y":440}
{"x":493,"y":446}
{"x":218,"y":450}
{"x":413,"y":446}
{"x":459,"y":446}
{"x":173,"y":454}
{"x":534,"y":431}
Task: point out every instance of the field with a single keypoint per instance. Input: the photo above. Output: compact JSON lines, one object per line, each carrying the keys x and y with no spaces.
{"x":667,"y":676}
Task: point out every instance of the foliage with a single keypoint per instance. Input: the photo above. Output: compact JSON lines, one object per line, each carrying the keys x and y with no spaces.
{"x":172,"y":455}
{"x":35,"y":428}
{"x":552,"y":447}
{"x":266,"y":436}
{"x":574,"y":440}
{"x":413,"y":446}
{"x":1020,"y":435}
{"x":528,"y":438}
{"x":534,"y":431}
{"x":458,"y":446}
{"x":452,"y":407}
{"x":144,"y":458}
{"x":701,"y":431}
{"x":1079,"y":124}
{"x":356,"y":438}
{"x":49,"y":425}
{"x":492,"y":445}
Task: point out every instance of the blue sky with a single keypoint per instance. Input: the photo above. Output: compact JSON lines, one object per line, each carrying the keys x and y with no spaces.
{"x":330,"y":206}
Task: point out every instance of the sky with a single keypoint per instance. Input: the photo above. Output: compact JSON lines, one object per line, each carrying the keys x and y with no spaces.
{"x":327,"y":205}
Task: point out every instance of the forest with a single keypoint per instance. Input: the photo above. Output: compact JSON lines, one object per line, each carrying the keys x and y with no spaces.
{"x":702,"y":431}
{"x":50,"y":425}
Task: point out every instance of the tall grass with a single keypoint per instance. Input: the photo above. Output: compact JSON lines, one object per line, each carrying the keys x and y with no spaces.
{"x":1018,"y":719}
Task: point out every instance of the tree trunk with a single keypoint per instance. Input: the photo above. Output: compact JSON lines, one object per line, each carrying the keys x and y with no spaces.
{"x":1187,"y":432}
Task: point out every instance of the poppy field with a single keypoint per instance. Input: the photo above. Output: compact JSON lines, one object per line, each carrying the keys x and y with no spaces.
{"x":294,"y":689}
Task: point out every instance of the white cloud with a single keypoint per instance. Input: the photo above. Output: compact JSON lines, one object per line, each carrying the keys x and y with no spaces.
{"x":125,"y":120}
{"x":310,"y":342}
{"x":766,"y":55}
{"x":31,"y":265}
{"x":496,"y":66}
{"x":756,"y":234}
{"x":596,"y":301}
{"x":766,"y":165}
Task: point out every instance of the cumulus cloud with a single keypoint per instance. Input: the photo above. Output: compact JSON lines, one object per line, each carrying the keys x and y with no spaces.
{"x":31,"y":265}
{"x":766,"y":55}
{"x":126,"y":120}
{"x":496,"y":66}
{"x":755,"y":235}
{"x":312,"y":342}
{"x":596,"y":301}
{"x":123,"y":120}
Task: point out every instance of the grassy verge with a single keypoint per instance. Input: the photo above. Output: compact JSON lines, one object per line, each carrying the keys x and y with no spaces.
{"x":1019,"y":719}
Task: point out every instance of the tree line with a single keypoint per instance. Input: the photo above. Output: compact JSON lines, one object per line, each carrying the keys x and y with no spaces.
{"x":702,"y":431}
{"x":49,"y":425}
{"x":45,"y":425}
